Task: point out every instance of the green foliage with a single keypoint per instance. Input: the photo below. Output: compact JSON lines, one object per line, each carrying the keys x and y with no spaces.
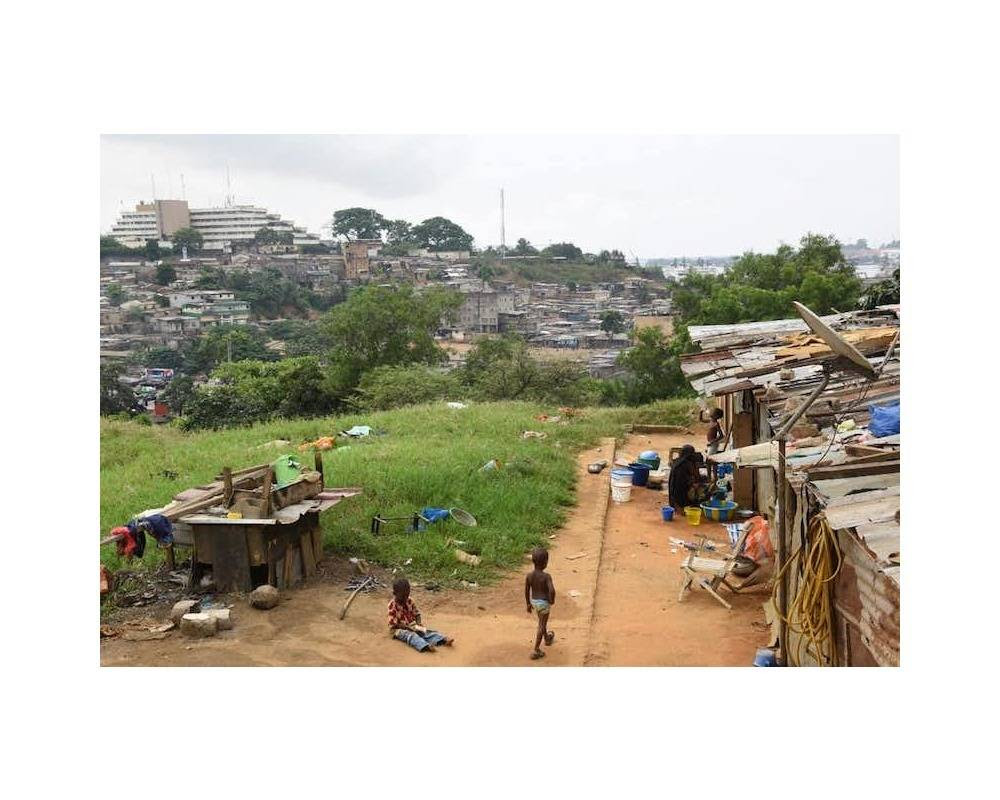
{"x":161,"y":300}
{"x":111,"y":248}
{"x":314,"y":249}
{"x":162,"y":358}
{"x":654,"y":366}
{"x":187,"y":237}
{"x":398,"y":232}
{"x":384,"y":326}
{"x":178,"y":392}
{"x":612,"y":322}
{"x":165,"y":274}
{"x":358,"y":223}
{"x":882,"y":293}
{"x":762,"y":286}
{"x":524,"y":248}
{"x":394,"y":386}
{"x":252,"y":391}
{"x":152,"y":249}
{"x":441,"y":234}
{"x":115,"y":397}
{"x":566,"y":250}
{"x":268,"y":291}
{"x":225,"y":343}
{"x":268,"y":235}
{"x":502,"y":368}
{"x":115,"y":294}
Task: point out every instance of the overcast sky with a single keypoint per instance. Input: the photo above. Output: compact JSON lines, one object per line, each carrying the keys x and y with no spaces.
{"x":648,"y":196}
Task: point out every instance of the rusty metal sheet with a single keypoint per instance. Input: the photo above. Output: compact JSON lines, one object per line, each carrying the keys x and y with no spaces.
{"x":851,"y":511}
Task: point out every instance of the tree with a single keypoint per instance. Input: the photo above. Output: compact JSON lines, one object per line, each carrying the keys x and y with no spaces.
{"x":391,"y":387}
{"x":524,"y":248}
{"x":115,"y":294}
{"x":165,"y":274}
{"x":162,"y":357}
{"x":883,"y":293}
{"x":440,"y":234}
{"x":178,"y":392}
{"x":225,"y":343}
{"x":152,"y":249}
{"x":162,"y":301}
{"x":571,"y":285}
{"x":612,"y":322}
{"x":379,"y":325}
{"x":268,"y":235}
{"x":566,"y":250}
{"x":187,"y":237}
{"x":115,"y":397}
{"x":655,"y":368}
{"x":358,"y":223}
{"x":398,"y":231}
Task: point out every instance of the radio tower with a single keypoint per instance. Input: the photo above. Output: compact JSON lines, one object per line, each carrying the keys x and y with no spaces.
{"x":503,"y":239}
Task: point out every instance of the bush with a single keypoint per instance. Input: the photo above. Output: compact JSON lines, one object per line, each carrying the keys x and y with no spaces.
{"x":392,"y":387}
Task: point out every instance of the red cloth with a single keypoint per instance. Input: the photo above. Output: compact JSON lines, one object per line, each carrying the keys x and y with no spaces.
{"x":126,"y":544}
{"x":402,"y":615}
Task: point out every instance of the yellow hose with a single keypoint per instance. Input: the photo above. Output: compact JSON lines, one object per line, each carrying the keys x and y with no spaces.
{"x":810,"y":612}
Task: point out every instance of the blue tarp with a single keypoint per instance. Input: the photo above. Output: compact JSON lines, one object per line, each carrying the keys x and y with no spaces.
{"x":885,"y":420}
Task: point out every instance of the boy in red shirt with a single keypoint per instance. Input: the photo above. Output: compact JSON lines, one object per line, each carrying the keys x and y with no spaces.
{"x":404,"y":621}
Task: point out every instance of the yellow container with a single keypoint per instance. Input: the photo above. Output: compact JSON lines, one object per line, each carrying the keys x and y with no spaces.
{"x":693,"y":514}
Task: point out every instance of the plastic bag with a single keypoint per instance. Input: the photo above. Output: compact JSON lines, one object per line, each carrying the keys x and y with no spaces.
{"x":884,"y":421}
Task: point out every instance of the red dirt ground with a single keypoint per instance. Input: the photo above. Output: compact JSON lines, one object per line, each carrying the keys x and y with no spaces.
{"x":616,"y":605}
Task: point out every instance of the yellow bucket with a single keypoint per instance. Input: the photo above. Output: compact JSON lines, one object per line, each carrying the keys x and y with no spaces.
{"x":693,"y":514}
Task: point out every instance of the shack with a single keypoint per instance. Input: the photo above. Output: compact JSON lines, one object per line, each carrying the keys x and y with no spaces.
{"x":837,"y":488}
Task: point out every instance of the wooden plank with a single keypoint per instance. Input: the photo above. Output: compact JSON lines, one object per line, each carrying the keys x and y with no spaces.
{"x":230,"y":560}
{"x":852,"y":470}
{"x":308,"y":559}
{"x":227,"y":486}
{"x":266,"y":492}
{"x":743,"y":481}
{"x":317,"y":534}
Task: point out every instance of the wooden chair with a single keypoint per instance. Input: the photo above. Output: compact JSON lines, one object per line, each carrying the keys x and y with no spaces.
{"x":712,"y":573}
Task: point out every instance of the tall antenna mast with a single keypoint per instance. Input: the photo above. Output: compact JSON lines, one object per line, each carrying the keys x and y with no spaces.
{"x":503,"y":235}
{"x":229,"y":188}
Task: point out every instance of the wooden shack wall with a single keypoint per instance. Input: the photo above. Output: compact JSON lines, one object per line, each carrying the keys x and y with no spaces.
{"x":866,"y":601}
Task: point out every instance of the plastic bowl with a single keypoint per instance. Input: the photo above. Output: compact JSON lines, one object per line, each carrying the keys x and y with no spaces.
{"x":723,"y":511}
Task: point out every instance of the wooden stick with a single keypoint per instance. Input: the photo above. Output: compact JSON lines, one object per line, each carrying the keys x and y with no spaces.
{"x":347,"y":605}
{"x":227,"y":486}
{"x":268,"y":477}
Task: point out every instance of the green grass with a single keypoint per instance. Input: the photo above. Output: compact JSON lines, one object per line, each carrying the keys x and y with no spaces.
{"x":430,"y":455}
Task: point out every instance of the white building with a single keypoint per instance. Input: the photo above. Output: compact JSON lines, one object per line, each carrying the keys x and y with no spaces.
{"x":219,"y":227}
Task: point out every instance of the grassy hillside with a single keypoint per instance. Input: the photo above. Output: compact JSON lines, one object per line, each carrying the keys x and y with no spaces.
{"x":429,"y":456}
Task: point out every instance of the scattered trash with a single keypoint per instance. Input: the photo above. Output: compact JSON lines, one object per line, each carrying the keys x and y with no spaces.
{"x":492,"y":464}
{"x":573,"y":593}
{"x":407,"y":562}
{"x":470,"y":584}
{"x":597,"y":467}
{"x":273,"y":443}
{"x":358,"y":431}
{"x":433,"y":514}
{"x":264,"y":597}
{"x":847,"y":425}
{"x":322,"y":443}
{"x":463,"y":517}
{"x":467,"y":558}
{"x":575,"y":556}
{"x":183,"y":607}
{"x":364,"y":583}
{"x":432,"y":586}
{"x":533,"y":435}
{"x":169,"y":473}
{"x":456,"y":405}
{"x":673,"y":549}
{"x":548,"y":418}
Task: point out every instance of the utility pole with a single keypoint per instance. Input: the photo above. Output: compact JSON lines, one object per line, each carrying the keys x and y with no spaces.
{"x":503,"y":234}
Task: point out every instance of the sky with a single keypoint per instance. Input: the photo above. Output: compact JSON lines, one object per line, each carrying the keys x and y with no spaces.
{"x":648,"y":196}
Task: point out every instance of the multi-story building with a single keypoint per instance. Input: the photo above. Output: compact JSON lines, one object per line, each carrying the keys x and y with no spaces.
{"x":357,"y":257}
{"x":220,"y":228}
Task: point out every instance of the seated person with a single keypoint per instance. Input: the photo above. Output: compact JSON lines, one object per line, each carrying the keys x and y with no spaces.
{"x":685,"y":485}
{"x":404,"y":621}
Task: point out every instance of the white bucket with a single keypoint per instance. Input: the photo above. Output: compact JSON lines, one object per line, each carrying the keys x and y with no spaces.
{"x":621,"y":494}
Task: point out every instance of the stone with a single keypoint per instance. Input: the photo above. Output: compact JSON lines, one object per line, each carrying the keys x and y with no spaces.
{"x":265,"y":596}
{"x":183,"y":607}
{"x":225,"y":622}
{"x":199,"y":626}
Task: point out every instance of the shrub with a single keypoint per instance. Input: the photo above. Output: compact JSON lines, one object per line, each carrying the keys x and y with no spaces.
{"x":391,"y":387}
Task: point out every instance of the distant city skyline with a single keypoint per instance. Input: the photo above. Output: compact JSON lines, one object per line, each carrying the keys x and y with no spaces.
{"x":649,"y":196}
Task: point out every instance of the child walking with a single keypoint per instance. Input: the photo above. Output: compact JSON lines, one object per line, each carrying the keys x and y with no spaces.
{"x":540,"y":595}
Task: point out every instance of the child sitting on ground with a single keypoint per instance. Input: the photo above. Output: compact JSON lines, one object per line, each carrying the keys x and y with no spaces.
{"x":404,"y":621}
{"x":540,"y":594}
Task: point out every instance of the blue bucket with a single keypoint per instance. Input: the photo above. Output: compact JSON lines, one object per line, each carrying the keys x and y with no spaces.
{"x":640,"y":473}
{"x":667,"y":512}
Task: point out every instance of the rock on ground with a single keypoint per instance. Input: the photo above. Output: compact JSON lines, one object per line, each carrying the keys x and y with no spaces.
{"x":183,"y":607}
{"x":265,"y":596}
{"x":199,"y":625}
{"x":225,"y":622}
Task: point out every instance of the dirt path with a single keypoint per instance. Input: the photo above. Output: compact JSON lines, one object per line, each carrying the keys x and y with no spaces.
{"x":616,"y":605}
